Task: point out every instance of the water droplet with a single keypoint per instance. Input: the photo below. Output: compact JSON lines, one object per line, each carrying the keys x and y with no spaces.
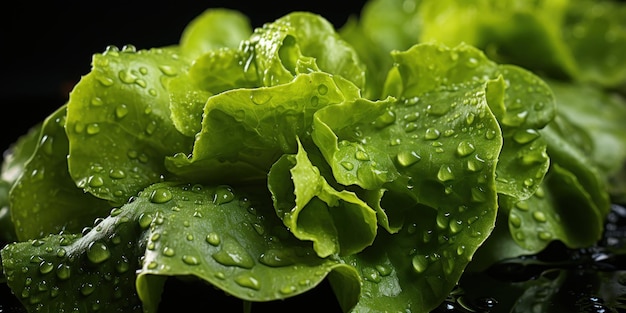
{"x":117,"y":174}
{"x":524,"y":136}
{"x":223,"y":194}
{"x":539,"y":217}
{"x":529,"y":182}
{"x":409,"y":127}
{"x":442,"y":220}
{"x":515,"y":220}
{"x":260,"y":97}
{"x":95,"y":181}
{"x":471,"y":62}
{"x":460,"y":250}
{"x":469,"y":119}
{"x":233,"y":254}
{"x":407,"y":158}
{"x":142,"y":83}
{"x":474,"y":165}
{"x":420,"y":263}
{"x":122,"y":265}
{"x":544,"y":235}
{"x":287,"y":290}
{"x":190,"y":260}
{"x":87,"y":289}
{"x":105,"y":81}
{"x":151,"y":127}
{"x":411,"y":117}
{"x":522,"y":205}
{"x":371,"y":274}
{"x":213,"y":239}
{"x":386,"y":119}
{"x":490,"y":134}
{"x":98,"y":252}
{"x":455,"y":226}
{"x":347,"y":165}
{"x":45,"y":267}
{"x":93,"y":128}
{"x":478,"y":195}
{"x":144,"y":220}
{"x":432,"y":134}
{"x":361,"y":155}
{"x":167,"y":70}
{"x":167,"y":251}
{"x":515,"y":119}
{"x":248,"y":281}
{"x":384,"y":269}
{"x":445,"y":173}
{"x":465,"y":148}
{"x":61,"y":253}
{"x":160,"y":195}
{"x":152,"y":265}
{"x":277,"y":257}
{"x":47,"y":145}
{"x":127,"y":77}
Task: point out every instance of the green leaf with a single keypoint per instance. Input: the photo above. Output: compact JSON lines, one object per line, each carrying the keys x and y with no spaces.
{"x":118,"y":122}
{"x":437,"y":143}
{"x":520,"y":100}
{"x":213,"y":29}
{"x":278,"y":49}
{"x":14,"y":162}
{"x":224,"y":69}
{"x":597,"y":123}
{"x":229,"y":239}
{"x":562,"y":209}
{"x":44,"y":199}
{"x":337,"y":222}
{"x":244,"y":131}
{"x":187,"y":102}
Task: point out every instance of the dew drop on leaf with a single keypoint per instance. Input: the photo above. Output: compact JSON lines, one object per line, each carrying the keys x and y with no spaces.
{"x":98,"y":252}
{"x":432,"y":134}
{"x":407,"y":158}
{"x":190,"y":260}
{"x":445,"y":173}
{"x":213,"y":239}
{"x":248,"y":281}
{"x":420,"y":263}
{"x":289,"y":289}
{"x":233,"y":254}
{"x":167,"y":251}
{"x":160,"y":195}
{"x":515,"y":220}
{"x":223,"y":194}
{"x":276,"y":258}
{"x":524,"y":136}
{"x":347,"y":165}
{"x":93,"y":128}
{"x":87,"y":288}
{"x":144,"y":220}
{"x":465,"y":148}
{"x":539,"y":216}
{"x":45,"y":267}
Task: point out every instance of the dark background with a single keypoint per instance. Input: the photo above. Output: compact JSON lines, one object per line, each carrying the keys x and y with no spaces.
{"x":46,"y":47}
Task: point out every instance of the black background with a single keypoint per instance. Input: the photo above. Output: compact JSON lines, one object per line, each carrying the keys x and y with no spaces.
{"x":47,"y":46}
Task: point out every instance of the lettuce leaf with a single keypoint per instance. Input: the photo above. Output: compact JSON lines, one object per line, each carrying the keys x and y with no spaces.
{"x":264,"y":161}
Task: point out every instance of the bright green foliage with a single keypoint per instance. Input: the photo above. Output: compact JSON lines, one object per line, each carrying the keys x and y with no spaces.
{"x":263,"y":161}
